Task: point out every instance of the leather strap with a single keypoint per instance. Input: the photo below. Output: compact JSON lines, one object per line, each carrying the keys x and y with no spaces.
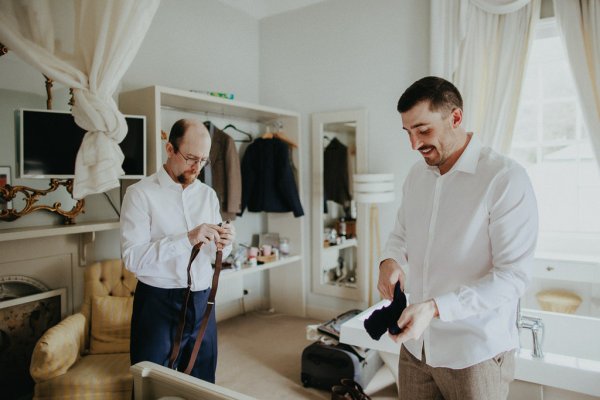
{"x":209,"y":306}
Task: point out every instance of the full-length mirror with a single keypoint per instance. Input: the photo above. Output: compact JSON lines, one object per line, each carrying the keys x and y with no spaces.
{"x":339,"y":152}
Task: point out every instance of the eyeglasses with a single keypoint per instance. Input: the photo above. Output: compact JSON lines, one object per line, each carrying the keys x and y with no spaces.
{"x":193,"y":161}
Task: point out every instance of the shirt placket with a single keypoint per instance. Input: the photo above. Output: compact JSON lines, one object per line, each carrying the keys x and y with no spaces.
{"x":185,"y":207}
{"x":430,"y":237}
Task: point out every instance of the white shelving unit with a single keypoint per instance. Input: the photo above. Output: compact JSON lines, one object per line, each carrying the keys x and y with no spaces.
{"x":287,"y":290}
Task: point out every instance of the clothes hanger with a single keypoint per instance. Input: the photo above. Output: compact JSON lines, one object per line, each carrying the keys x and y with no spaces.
{"x":279,"y":135}
{"x":268,"y":134}
{"x":211,"y":127}
{"x":240,"y":131}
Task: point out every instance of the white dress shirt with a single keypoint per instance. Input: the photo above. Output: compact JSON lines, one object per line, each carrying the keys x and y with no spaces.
{"x":156,"y":215}
{"x":466,"y":239}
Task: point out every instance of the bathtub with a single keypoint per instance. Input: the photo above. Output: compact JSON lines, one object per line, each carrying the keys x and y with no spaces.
{"x":569,"y":370}
{"x":571,"y":354}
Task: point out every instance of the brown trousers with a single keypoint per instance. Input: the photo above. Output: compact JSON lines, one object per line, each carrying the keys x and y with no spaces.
{"x":487,"y":380}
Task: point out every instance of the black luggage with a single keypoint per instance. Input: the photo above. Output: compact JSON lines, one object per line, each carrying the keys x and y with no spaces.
{"x":324,"y":365}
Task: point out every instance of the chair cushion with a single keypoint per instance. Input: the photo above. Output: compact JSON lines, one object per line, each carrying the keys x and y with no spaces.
{"x":58,"y":348}
{"x":111,"y":324}
{"x":96,"y":376}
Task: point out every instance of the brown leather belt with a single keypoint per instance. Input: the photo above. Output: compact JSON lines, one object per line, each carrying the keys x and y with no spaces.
{"x":209,"y":307}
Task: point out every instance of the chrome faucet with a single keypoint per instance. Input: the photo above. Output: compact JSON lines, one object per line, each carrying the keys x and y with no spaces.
{"x":536,"y":325}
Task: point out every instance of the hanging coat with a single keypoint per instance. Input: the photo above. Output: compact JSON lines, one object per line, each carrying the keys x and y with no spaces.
{"x":268,"y":182}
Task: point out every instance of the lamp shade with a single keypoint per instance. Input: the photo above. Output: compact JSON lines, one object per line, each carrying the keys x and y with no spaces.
{"x":373,"y":188}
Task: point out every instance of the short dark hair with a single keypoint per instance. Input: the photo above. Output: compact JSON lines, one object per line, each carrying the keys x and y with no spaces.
{"x":177,"y":131}
{"x":441,"y":94}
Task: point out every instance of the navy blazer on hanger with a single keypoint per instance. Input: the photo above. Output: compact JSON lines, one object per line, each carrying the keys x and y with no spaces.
{"x":268,"y":182}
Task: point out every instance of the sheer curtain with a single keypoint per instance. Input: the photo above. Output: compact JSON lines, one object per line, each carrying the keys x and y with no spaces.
{"x":106,"y":36}
{"x":481,"y":46}
{"x":579,"y":25}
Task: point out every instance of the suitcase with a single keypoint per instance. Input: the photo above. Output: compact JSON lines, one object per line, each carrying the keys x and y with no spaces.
{"x":324,"y":365}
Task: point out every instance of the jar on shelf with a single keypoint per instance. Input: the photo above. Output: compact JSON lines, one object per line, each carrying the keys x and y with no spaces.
{"x":284,"y":246}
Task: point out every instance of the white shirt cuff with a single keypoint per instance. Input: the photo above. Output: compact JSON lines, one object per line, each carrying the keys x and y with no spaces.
{"x":447,"y":305}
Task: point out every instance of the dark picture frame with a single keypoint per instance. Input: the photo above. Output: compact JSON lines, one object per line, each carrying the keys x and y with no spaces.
{"x":23,"y":321}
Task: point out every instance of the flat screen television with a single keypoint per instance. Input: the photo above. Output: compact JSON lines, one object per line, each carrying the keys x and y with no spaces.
{"x":49,"y":141}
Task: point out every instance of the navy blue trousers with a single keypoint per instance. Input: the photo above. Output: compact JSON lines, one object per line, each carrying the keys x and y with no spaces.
{"x":154,"y":323}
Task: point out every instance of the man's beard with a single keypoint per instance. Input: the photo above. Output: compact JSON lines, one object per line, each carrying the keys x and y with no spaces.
{"x":182,"y":178}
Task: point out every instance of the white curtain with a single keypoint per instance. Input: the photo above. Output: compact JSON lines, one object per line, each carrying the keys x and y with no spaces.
{"x":106,"y":36}
{"x":481,"y":46}
{"x":579,"y":24}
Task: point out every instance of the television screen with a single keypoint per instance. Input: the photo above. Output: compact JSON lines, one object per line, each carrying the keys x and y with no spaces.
{"x":49,"y":141}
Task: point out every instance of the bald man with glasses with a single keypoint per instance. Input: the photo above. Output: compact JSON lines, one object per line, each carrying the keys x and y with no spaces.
{"x":162,"y":217}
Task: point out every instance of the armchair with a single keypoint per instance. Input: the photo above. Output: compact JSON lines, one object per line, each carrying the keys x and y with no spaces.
{"x":87,"y":354}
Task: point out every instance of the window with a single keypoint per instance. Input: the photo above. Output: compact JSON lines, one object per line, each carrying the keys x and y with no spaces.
{"x":551,"y":142}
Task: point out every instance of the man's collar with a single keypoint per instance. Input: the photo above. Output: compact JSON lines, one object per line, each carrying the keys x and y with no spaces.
{"x":468,"y":160}
{"x":165,"y":179}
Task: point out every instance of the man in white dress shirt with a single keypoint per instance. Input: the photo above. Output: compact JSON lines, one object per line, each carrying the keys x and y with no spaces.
{"x":462,"y":248}
{"x":163,"y":216}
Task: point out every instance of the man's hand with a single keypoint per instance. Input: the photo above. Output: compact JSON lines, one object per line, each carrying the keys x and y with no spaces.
{"x":226,"y":234}
{"x":415,"y":319}
{"x":389,"y":273}
{"x":205,"y":233}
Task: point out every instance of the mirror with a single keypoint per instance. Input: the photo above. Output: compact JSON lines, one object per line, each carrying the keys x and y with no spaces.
{"x":339,"y":242}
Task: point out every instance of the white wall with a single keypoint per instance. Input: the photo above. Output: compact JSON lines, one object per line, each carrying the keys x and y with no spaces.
{"x":200,"y":45}
{"x":343,"y":54}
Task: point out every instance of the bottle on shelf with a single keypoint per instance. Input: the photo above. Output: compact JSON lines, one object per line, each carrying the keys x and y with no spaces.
{"x":342,"y":228}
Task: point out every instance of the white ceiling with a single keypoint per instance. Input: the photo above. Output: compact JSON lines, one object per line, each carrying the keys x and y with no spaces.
{"x":265,"y":8}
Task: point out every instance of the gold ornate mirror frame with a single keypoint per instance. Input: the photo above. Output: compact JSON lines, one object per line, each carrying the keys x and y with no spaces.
{"x":31,"y":196}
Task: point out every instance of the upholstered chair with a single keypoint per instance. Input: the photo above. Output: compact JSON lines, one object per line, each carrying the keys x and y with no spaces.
{"x":86,"y":356}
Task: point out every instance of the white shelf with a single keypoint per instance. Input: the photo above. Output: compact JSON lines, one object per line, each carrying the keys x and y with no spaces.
{"x":343,"y":245}
{"x":190,"y":101}
{"x":229,"y":273}
{"x":33,"y":232}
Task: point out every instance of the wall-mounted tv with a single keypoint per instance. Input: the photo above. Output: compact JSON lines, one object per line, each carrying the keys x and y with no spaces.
{"x":49,"y":141}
